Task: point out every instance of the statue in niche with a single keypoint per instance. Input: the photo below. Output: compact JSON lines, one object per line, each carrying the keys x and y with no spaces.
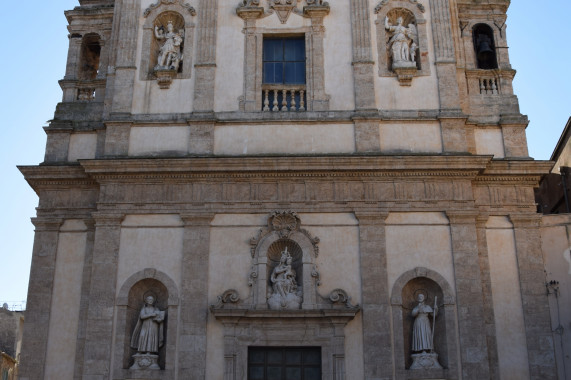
{"x":403,"y":43}
{"x":169,"y":54}
{"x":423,"y":355}
{"x":285,"y":294}
{"x":148,"y":336}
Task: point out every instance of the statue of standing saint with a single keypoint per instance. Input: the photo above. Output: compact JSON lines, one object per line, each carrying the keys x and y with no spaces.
{"x":403,"y":43}
{"x":422,"y":335}
{"x":169,"y":54}
{"x":148,"y":336}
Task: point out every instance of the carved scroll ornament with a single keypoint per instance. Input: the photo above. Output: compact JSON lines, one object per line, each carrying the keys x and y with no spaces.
{"x":385,"y":2}
{"x":154,"y":6}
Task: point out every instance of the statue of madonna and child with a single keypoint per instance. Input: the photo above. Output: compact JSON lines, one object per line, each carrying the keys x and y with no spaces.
{"x":284,"y":293}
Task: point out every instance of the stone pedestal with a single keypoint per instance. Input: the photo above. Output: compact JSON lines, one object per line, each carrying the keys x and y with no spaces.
{"x":145,"y":361}
{"x":425,"y":361}
{"x":165,"y":77}
{"x":405,"y":72}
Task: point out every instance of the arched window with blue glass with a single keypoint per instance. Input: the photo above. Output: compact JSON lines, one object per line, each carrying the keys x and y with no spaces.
{"x":284,"y":77}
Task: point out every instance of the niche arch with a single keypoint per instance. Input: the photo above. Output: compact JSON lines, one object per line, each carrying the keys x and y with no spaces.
{"x":90,"y":57}
{"x":402,"y":301}
{"x":484,"y":44}
{"x":284,"y":231}
{"x":128,"y":304}
{"x":159,"y":14}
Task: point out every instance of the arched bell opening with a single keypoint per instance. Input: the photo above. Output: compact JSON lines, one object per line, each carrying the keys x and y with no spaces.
{"x":484,"y":47}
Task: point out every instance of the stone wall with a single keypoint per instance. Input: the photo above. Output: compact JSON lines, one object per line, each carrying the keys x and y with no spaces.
{"x":179,"y":183}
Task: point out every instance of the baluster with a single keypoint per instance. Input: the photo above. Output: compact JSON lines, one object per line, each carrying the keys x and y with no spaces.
{"x":284,"y":100}
{"x":482,"y":86}
{"x":292,"y":107}
{"x":301,"y":100}
{"x":494,"y":87}
{"x":267,"y":100}
{"x":275,"y":101}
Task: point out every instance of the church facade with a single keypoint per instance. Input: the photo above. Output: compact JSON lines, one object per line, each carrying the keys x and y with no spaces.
{"x":287,"y":189}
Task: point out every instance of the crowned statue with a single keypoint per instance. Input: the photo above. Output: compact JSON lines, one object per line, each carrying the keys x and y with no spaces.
{"x":284,"y":293}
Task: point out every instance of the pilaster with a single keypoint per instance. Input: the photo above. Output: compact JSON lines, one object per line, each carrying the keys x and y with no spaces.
{"x":453,"y":129}
{"x":535,"y":303}
{"x":252,"y":97}
{"x":57,"y":143}
{"x":194,"y":293}
{"x":126,"y":65}
{"x":473,"y":347}
{"x":320,"y":99}
{"x":84,"y":305}
{"x":489,"y":320}
{"x":34,"y":349}
{"x":73,"y":56}
{"x":102,"y":290}
{"x":367,"y":135}
{"x":205,"y":66}
{"x":377,"y":346}
{"x":117,"y":137}
{"x":363,"y":64}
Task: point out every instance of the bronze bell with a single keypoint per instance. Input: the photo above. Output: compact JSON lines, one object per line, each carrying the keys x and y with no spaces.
{"x":485,"y":51}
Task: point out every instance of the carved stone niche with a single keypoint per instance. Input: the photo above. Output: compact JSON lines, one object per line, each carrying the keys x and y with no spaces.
{"x":316,"y":322}
{"x":130,"y":300}
{"x":173,"y":45}
{"x":416,"y":63}
{"x":440,"y":362}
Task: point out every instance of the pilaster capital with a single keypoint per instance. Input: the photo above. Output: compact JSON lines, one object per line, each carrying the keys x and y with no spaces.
{"x":462,"y":216}
{"x":526,"y":220}
{"x":90,"y":224}
{"x":316,"y":12}
{"x":107,"y":220}
{"x":481,"y":220}
{"x":197,"y":220}
{"x":249,"y":13}
{"x":371,"y":218}
{"x":47,"y":224}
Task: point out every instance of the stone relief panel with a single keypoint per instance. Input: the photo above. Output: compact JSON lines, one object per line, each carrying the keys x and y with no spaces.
{"x":168,"y":38}
{"x":402,"y":43}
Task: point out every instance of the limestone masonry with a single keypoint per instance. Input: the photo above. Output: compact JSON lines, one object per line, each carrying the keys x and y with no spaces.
{"x":288,"y":189}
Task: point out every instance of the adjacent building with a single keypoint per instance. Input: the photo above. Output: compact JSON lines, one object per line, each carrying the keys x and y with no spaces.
{"x":300,"y":189}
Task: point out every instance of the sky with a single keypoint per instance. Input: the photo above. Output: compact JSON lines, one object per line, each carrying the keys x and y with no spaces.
{"x":35,"y":52}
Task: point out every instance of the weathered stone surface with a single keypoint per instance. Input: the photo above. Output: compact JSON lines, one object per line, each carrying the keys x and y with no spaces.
{"x":399,"y":182}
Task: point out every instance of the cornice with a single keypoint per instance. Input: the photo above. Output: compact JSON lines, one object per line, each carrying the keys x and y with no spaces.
{"x":41,"y":176}
{"x":305,"y":167}
{"x":480,"y":169}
